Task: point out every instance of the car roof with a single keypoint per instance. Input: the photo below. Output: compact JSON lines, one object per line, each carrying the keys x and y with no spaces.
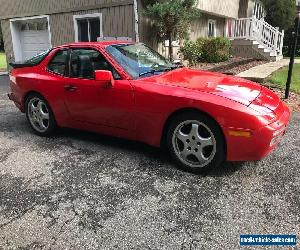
{"x":98,"y":44}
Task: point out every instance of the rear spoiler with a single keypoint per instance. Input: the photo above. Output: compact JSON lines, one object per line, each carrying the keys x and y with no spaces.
{"x":36,"y":60}
{"x":17,"y":65}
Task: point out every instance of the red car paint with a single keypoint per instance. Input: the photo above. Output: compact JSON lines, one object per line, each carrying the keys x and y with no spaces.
{"x":140,"y":109}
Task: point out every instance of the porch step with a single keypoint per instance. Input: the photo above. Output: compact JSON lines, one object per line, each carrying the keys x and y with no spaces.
{"x":252,"y":49}
{"x":253,"y":37}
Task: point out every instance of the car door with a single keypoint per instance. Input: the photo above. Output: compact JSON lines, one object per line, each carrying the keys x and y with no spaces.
{"x":52,"y":82}
{"x":91,"y":101}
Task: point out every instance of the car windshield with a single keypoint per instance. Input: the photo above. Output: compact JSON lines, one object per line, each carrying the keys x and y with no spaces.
{"x":138,"y":60}
{"x":38,"y":58}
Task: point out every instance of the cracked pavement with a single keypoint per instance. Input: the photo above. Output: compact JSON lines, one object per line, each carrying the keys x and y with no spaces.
{"x":80,"y":190}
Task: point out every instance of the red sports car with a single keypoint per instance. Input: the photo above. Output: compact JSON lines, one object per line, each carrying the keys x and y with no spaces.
{"x":128,"y":90}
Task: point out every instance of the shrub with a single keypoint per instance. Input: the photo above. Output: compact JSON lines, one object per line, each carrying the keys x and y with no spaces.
{"x":215,"y":49}
{"x":191,"y":51}
{"x":288,"y":41}
{"x":287,"y":52}
{"x":210,"y":50}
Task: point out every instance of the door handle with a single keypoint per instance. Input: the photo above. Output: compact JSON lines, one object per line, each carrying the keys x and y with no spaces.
{"x":70,"y":88}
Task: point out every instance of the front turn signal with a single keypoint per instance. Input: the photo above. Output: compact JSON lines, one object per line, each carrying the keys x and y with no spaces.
{"x":239,"y":133}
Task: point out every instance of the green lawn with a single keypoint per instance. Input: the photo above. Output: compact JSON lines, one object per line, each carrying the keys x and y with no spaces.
{"x":279,"y":78}
{"x":2,"y":61}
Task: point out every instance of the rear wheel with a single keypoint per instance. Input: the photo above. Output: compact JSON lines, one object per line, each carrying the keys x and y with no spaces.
{"x":195,"y":142}
{"x":40,"y":115}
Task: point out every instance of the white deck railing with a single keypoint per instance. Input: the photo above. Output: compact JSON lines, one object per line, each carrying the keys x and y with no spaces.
{"x":257,"y":30}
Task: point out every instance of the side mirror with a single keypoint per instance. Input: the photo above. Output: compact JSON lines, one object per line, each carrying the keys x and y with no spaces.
{"x":106,"y":77}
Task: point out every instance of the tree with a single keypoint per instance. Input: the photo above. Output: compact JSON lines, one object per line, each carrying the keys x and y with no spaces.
{"x":171,"y":19}
{"x":280,"y":13}
{"x":1,"y":39}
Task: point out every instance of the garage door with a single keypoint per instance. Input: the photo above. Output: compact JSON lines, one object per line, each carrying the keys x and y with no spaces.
{"x":30,"y":36}
{"x":34,"y":42}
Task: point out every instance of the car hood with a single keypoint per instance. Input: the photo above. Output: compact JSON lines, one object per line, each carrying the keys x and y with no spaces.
{"x":234,"y":88}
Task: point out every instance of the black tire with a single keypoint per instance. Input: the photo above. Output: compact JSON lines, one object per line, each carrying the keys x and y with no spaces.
{"x":218,"y":154}
{"x":51,"y":124}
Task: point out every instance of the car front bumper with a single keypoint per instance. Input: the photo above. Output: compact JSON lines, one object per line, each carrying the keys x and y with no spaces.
{"x":261,"y":142}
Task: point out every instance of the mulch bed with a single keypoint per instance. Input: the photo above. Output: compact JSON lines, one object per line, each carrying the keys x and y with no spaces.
{"x":234,"y":66}
{"x":294,"y":99}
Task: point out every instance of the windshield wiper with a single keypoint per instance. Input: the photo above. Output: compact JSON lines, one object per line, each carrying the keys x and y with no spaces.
{"x":168,"y":68}
{"x":152,"y":71}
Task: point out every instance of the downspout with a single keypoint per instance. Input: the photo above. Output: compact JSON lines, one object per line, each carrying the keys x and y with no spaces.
{"x":136,"y":21}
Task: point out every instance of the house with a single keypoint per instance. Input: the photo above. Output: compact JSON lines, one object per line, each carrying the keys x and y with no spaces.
{"x":32,"y":26}
{"x":252,"y":36}
{"x":240,"y":20}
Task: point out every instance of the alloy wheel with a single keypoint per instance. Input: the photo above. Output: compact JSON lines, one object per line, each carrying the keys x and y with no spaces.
{"x":38,"y":114}
{"x":194,"y":143}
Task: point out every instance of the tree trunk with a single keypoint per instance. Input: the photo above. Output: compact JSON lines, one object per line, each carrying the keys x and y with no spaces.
{"x":170,"y":48}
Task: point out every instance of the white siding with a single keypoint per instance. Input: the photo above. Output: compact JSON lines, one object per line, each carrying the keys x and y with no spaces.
{"x":226,"y":8}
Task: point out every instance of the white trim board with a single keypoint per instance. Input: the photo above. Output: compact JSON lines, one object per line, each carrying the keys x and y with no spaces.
{"x":78,"y":17}
{"x":214,"y":22}
{"x":16,"y":42}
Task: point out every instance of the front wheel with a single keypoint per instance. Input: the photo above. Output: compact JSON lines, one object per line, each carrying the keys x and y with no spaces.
{"x":40,"y":115}
{"x":195,"y":142}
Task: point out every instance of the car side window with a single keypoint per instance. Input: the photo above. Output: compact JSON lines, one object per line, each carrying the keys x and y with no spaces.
{"x":84,"y":62}
{"x":57,"y":64}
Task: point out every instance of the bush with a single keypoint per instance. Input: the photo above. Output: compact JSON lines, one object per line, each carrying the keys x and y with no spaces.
{"x":191,"y":51}
{"x":287,"y":52}
{"x":287,"y":41}
{"x":210,"y":50}
{"x":215,"y":49}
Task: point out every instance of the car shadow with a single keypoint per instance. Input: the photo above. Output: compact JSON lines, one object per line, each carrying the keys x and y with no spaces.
{"x":114,"y":142}
{"x":226,"y":169}
{"x":152,"y":153}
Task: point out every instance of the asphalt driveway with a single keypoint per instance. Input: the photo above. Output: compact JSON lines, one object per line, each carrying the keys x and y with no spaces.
{"x":85,"y":191}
